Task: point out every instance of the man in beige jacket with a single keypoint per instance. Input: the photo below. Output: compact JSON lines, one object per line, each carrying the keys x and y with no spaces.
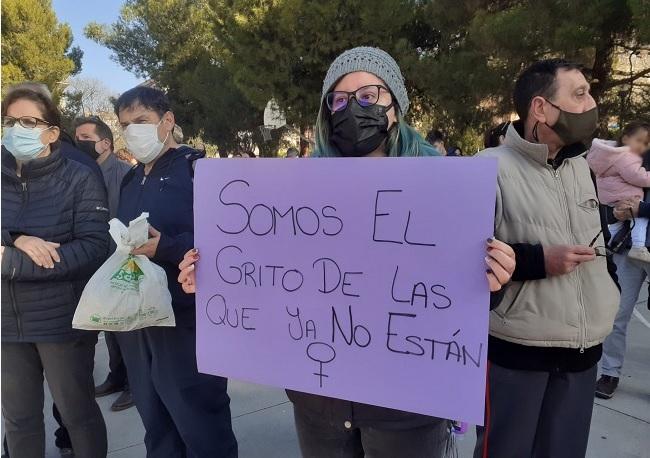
{"x":546,"y":335}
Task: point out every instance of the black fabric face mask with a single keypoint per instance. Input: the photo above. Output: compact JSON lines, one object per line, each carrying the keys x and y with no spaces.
{"x":358,"y":131}
{"x":573,"y":127}
{"x":88,"y":147}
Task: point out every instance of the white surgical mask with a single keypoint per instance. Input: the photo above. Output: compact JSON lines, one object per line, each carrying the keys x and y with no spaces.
{"x":142,"y":141}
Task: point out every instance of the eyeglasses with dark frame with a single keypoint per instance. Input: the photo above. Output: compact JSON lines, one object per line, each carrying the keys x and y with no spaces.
{"x":366,"y":96}
{"x":28,"y":122}
{"x":603,"y":250}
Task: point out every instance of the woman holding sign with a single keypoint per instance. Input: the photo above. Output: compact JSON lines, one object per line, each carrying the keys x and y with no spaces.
{"x":362,"y":107}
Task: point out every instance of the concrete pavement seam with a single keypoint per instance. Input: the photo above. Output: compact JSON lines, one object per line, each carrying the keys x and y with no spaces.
{"x":124,"y":448}
{"x":622,"y":413}
{"x":260,"y":410}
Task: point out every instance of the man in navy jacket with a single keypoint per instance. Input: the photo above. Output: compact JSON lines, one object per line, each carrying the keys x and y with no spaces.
{"x":185,"y":413}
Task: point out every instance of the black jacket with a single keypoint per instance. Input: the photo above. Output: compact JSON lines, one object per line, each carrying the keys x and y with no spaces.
{"x":167,"y":195}
{"x":57,"y":200}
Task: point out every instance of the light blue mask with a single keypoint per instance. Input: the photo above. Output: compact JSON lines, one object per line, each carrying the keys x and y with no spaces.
{"x":23,"y":144}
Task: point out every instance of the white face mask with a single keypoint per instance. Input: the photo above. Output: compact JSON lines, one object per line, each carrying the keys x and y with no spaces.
{"x":142,"y":141}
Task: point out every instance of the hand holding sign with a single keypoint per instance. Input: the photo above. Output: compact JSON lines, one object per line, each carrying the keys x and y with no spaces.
{"x":187,"y":277}
{"x":501,"y":264}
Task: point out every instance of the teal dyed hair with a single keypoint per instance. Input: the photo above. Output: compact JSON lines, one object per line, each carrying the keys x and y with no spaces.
{"x":403,"y":140}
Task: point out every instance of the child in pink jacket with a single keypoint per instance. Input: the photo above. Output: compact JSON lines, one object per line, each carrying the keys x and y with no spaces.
{"x":620,"y":176}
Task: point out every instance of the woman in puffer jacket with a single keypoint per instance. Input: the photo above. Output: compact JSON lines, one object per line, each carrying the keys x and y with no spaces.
{"x":620,"y":177}
{"x":54,"y":237}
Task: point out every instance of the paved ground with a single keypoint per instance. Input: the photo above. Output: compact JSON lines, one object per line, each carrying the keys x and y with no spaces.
{"x":262,"y":416}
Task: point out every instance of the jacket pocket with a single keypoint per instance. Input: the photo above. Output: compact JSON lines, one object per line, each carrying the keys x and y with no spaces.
{"x":503,"y":314}
{"x":589,"y":204}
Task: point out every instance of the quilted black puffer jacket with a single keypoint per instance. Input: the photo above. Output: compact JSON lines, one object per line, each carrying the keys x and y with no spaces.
{"x":60,"y":201}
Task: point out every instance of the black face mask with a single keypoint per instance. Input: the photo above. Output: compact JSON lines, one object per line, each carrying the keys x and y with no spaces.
{"x":573,"y":127}
{"x":358,"y":131}
{"x":88,"y":147}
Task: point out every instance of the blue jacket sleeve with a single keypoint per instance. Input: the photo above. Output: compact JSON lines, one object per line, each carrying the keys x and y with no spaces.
{"x":7,"y":239}
{"x":172,"y":249}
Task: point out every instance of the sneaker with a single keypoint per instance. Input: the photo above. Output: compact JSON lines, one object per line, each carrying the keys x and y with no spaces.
{"x":606,"y":386}
{"x":123,"y":402}
{"x":639,"y":253}
{"x":106,"y":388}
{"x":66,"y":452}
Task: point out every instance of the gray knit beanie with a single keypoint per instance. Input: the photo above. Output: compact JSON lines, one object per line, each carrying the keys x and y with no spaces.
{"x":371,"y":60}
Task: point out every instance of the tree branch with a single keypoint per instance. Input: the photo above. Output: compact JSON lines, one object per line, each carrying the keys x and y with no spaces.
{"x":630,"y":79}
{"x":638,"y":47}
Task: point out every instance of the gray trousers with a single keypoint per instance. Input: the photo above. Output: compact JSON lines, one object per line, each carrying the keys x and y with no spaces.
{"x":536,"y":414}
{"x":631,"y":275}
{"x":117,"y":368}
{"x":68,"y":368}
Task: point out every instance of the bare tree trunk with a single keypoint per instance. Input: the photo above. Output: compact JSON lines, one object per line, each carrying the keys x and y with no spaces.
{"x":602,"y":74}
{"x":304,"y":144}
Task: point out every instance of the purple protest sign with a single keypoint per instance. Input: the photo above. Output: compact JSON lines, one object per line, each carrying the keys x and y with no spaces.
{"x":359,"y":279}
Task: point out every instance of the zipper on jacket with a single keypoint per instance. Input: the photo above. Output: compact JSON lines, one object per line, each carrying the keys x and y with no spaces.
{"x":14,"y":305}
{"x":12,"y":292}
{"x":24,"y":198}
{"x":140,"y":192}
{"x":583,"y":317}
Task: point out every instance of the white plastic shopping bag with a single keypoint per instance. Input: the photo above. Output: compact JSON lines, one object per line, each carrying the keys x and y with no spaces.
{"x":127,"y":292}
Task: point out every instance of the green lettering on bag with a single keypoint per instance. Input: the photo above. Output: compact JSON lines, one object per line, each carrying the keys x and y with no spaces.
{"x":128,"y":277}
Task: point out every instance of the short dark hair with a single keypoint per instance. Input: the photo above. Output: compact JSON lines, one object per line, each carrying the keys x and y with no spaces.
{"x":101,"y":128}
{"x":538,"y":79}
{"x":49,"y":110}
{"x":492,"y":136}
{"x":148,"y":97}
{"x":632,"y":128}
{"x":435,"y":136}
